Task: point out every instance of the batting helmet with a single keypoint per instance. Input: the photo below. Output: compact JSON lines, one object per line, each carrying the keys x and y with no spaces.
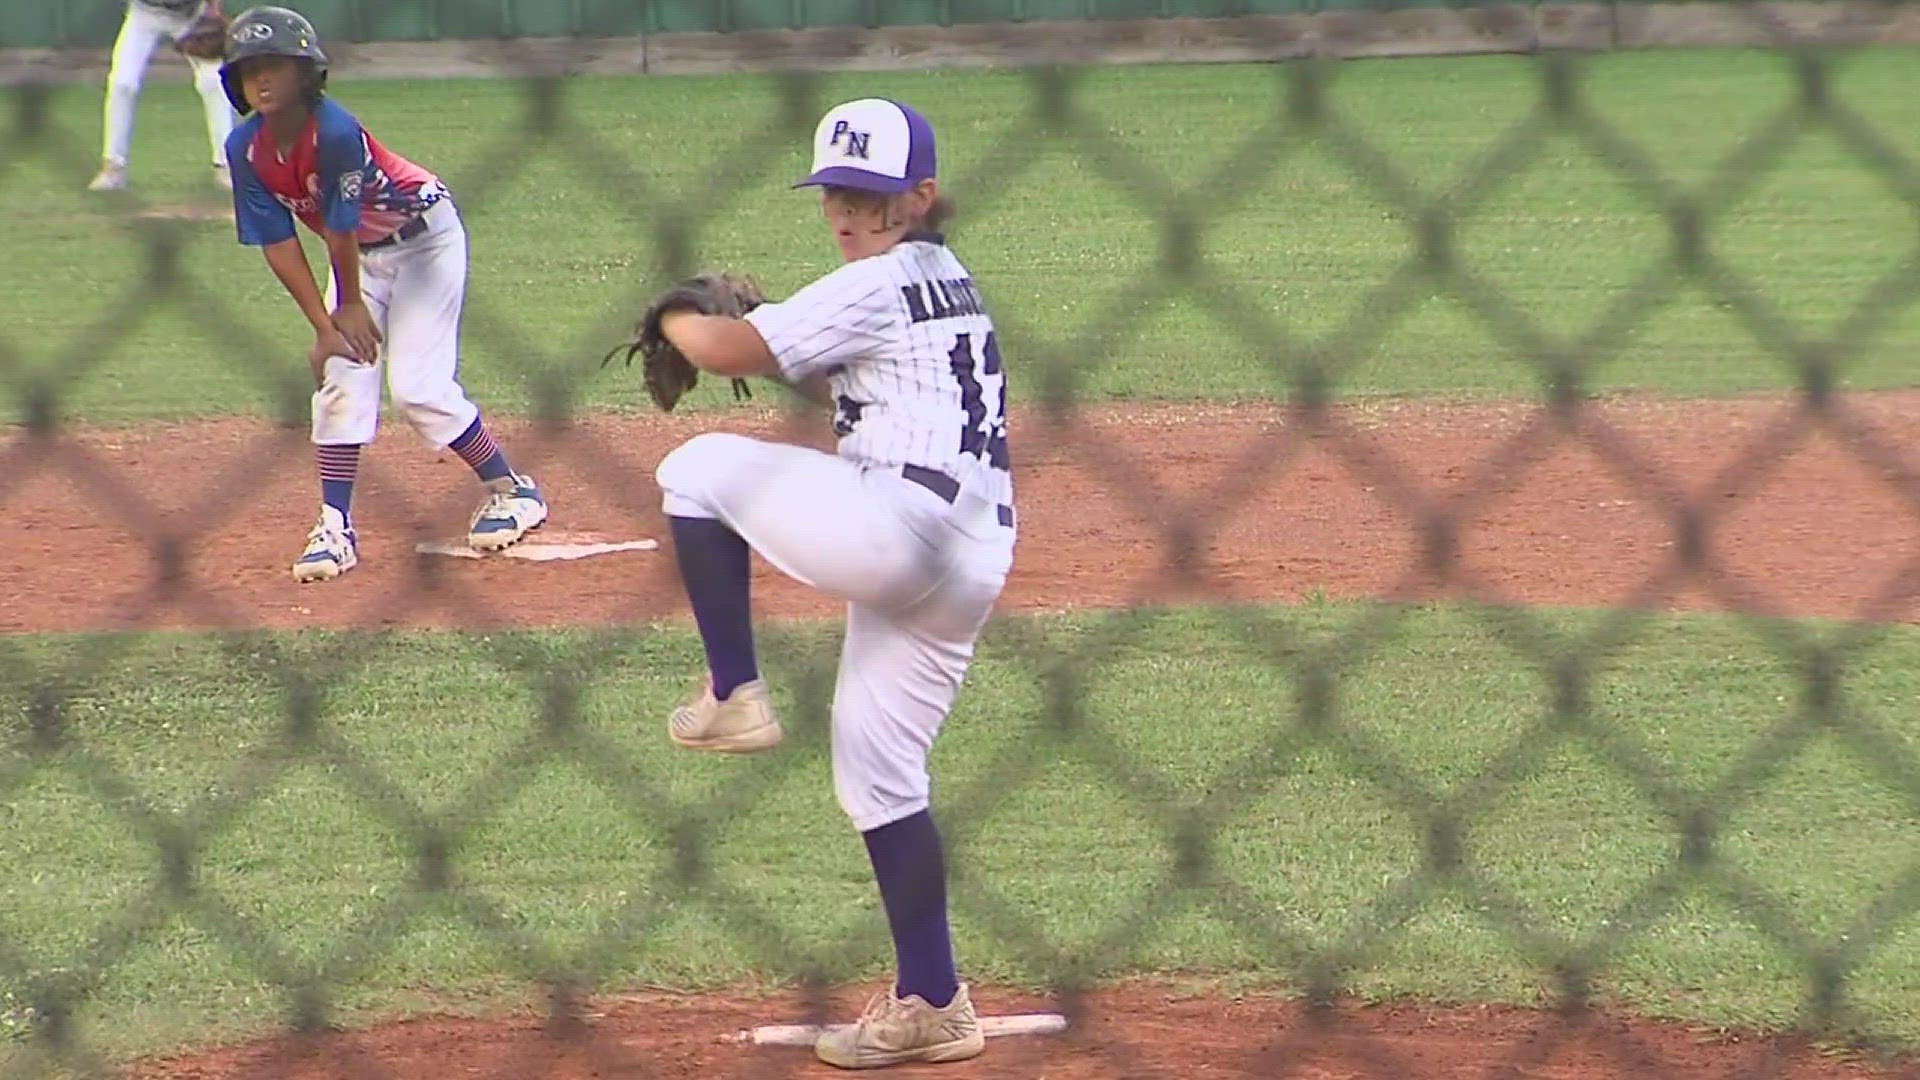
{"x":271,"y":31}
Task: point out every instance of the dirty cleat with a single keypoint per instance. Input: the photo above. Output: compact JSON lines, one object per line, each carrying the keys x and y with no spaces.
{"x":739,"y":725}
{"x":513,"y":508}
{"x":111,"y":177}
{"x":331,"y":549}
{"x":895,"y":1031}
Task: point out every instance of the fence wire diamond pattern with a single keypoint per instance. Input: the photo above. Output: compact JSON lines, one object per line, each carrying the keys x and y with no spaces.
{"x":54,"y":696}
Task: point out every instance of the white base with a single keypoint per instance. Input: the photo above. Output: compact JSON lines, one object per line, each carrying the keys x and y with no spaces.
{"x":990,"y":1026}
{"x":549,"y":547}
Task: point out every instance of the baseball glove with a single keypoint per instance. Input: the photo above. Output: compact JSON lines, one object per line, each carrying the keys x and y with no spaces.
{"x":669,"y":374}
{"x":205,"y":38}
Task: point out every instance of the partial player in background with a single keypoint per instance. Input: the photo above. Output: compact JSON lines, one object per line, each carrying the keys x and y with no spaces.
{"x":195,"y":29}
{"x":398,"y":253}
{"x":910,"y":522}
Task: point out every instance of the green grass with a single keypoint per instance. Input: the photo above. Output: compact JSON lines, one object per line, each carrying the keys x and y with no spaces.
{"x":594,"y":849}
{"x":565,"y":244}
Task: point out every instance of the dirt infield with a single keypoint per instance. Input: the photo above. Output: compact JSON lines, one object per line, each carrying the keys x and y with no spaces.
{"x":1686,"y":506}
{"x":1139,"y":1032}
{"x":196,"y":526}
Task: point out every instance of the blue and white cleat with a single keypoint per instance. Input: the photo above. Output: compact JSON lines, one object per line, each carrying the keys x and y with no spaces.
{"x":332,"y":549}
{"x":514,"y":508}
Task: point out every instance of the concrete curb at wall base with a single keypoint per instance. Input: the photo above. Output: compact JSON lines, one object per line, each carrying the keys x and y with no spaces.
{"x":1845,"y":22}
{"x":1489,"y":28}
{"x":1574,"y":26}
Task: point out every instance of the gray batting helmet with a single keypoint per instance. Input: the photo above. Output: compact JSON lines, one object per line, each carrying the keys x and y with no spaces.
{"x":271,"y":31}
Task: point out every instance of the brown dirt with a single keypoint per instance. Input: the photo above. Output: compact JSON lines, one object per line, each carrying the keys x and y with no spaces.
{"x":1135,"y":1032}
{"x":194,"y":527}
{"x":1268,"y":507}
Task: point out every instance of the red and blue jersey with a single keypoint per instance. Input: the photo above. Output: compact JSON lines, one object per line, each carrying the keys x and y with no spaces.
{"x":336,"y":177}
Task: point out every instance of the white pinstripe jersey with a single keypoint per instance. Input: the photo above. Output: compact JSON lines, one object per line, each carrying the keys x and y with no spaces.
{"x":909,"y":350}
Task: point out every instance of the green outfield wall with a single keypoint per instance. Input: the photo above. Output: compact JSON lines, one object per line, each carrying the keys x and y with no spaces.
{"x":92,"y":23}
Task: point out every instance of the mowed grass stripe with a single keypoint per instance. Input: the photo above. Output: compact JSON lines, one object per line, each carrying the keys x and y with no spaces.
{"x":571,"y":848}
{"x":1066,"y":221}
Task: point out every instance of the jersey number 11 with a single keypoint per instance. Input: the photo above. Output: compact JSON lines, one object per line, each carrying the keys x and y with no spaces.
{"x":984,"y":435}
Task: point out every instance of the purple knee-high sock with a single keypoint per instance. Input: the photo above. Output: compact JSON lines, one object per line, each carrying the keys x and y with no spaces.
{"x":714,"y":567}
{"x":912,"y":871}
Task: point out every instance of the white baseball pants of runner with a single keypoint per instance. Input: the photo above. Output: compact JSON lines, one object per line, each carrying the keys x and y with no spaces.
{"x":920,"y":578}
{"x":415,"y":289}
{"x":141,"y":32}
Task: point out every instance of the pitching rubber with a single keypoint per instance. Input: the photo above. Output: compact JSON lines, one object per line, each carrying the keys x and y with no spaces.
{"x":990,"y":1026}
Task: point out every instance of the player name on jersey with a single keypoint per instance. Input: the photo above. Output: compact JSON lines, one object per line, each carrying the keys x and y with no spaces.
{"x":948,"y":298}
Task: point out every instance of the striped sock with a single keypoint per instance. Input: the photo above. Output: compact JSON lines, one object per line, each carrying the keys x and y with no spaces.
{"x":339,"y":465}
{"x":477,"y":448}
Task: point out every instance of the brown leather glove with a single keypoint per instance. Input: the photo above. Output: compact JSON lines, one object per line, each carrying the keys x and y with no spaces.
{"x":669,"y":374}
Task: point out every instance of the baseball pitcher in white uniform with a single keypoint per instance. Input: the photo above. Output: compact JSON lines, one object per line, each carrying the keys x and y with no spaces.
{"x":146,"y":24}
{"x":910,"y":521}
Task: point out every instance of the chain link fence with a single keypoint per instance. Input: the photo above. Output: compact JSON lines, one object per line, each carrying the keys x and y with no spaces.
{"x":45,"y":696}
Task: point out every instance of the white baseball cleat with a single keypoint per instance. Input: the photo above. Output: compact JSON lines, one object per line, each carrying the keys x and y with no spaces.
{"x":332,"y":549}
{"x":513,"y":508}
{"x":741,"y":724}
{"x":111,"y":177}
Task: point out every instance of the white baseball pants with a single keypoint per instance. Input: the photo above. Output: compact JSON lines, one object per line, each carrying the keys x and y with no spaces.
{"x":415,"y":290}
{"x":920,"y":578}
{"x":141,"y":32}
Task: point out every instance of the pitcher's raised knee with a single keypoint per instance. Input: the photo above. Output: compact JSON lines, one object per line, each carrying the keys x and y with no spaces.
{"x":687,"y":473}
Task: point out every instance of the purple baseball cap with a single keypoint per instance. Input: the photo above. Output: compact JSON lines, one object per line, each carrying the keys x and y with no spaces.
{"x":872,"y":144}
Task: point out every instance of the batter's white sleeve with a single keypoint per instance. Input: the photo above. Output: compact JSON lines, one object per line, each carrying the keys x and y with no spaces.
{"x":846,"y":316}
